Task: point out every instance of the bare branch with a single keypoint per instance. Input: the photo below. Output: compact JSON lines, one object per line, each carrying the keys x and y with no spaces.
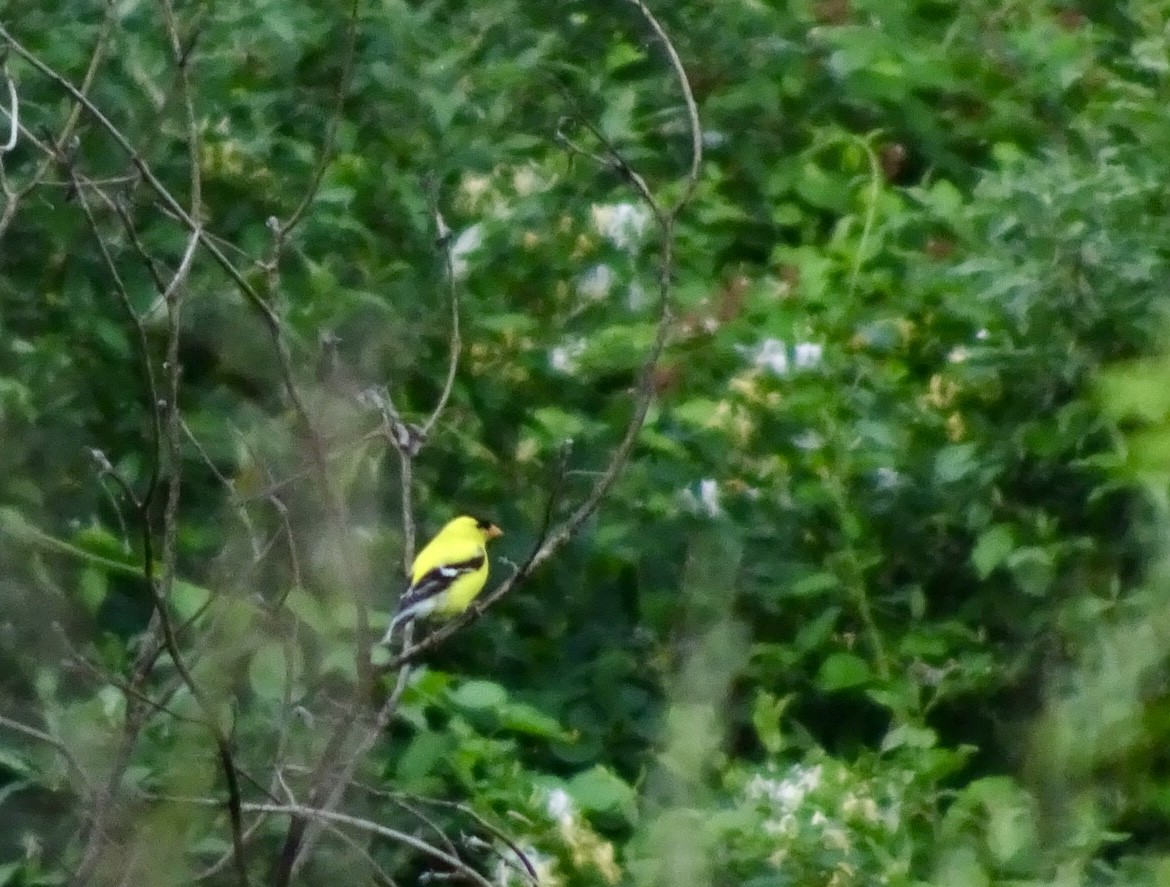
{"x":443,"y":238}
{"x":331,"y":779}
{"x":13,"y":113}
{"x":228,"y":484}
{"x":61,"y":748}
{"x":181,"y":57}
{"x":468,"y":811}
{"x":684,"y":84}
{"x":305,"y":811}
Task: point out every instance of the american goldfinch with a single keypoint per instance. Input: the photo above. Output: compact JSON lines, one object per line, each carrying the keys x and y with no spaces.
{"x":448,"y":573}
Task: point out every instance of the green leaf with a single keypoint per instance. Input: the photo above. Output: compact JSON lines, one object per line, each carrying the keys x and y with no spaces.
{"x":14,"y":762}
{"x":559,"y":424}
{"x":960,"y":867}
{"x":1010,"y":824}
{"x":600,"y":790}
{"x":817,"y":630}
{"x":1033,"y":570}
{"x":621,"y":55}
{"x":305,"y":606}
{"x":767,"y":715}
{"x":479,"y":695}
{"x":523,"y":718}
{"x":8,"y":871}
{"x":843,"y":670}
{"x":954,"y":462}
{"x":188,"y":599}
{"x":269,"y":672}
{"x":1136,"y":390}
{"x":92,"y":586}
{"x":423,"y":755}
{"x":909,"y":736}
{"x":992,"y":549}
{"x":98,"y":540}
{"x":699,"y":412}
{"x":815,"y":584}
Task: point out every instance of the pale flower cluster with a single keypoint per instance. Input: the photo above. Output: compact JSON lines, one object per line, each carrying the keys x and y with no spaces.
{"x":623,"y":224}
{"x":491,"y":196}
{"x":811,"y":810}
{"x":585,"y":848}
{"x":775,"y":356}
{"x":565,"y":357}
{"x":705,"y":500}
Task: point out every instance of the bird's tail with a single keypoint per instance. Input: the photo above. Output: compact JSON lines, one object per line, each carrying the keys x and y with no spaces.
{"x":400,"y":618}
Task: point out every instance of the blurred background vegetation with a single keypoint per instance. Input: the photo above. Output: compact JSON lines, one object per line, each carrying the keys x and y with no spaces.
{"x":882,"y":596}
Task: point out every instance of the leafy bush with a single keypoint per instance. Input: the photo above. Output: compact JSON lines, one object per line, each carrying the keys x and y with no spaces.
{"x":878,"y":596}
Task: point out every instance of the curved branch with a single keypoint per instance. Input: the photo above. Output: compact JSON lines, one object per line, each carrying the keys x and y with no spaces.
{"x":13,"y":113}
{"x":444,"y":239}
{"x":684,"y":84}
{"x":61,"y":748}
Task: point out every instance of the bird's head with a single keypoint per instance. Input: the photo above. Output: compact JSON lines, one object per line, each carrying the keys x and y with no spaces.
{"x":476,"y":527}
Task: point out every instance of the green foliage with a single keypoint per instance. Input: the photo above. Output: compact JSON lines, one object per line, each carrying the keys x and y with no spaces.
{"x":879,"y":597}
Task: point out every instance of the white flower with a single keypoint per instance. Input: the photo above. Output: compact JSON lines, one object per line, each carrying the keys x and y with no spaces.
{"x":809,"y":777}
{"x":808,"y":440}
{"x":564,"y":357}
{"x":958,"y":354}
{"x":869,"y":810}
{"x":622,"y":224}
{"x":835,"y":839}
{"x":775,"y":356}
{"x":525,"y":181}
{"x":596,"y":283}
{"x":807,"y":355}
{"x":469,"y":240}
{"x":772,"y":355}
{"x":786,"y":794}
{"x":759,"y":787}
{"x":713,"y":138}
{"x":636,"y":297}
{"x":560,"y":806}
{"x":706,"y":502}
{"x":709,"y":496}
{"x":510,"y":872}
{"x":785,"y":825}
{"x":474,"y":187}
{"x":982,"y":335}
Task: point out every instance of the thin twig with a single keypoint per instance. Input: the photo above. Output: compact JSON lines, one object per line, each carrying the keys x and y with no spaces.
{"x":443,"y":238}
{"x":305,"y":811}
{"x":228,"y":484}
{"x":137,"y":701}
{"x":61,"y":748}
{"x":13,"y":113}
{"x":331,"y":788}
{"x":482,"y":821}
{"x":684,"y":83}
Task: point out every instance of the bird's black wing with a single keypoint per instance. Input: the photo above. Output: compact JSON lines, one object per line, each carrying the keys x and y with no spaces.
{"x":436,"y":581}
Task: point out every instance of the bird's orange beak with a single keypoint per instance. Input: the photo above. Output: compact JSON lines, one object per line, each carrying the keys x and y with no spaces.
{"x":493,"y":532}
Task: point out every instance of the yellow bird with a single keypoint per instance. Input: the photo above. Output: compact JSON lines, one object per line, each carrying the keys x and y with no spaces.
{"x":448,"y":573}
